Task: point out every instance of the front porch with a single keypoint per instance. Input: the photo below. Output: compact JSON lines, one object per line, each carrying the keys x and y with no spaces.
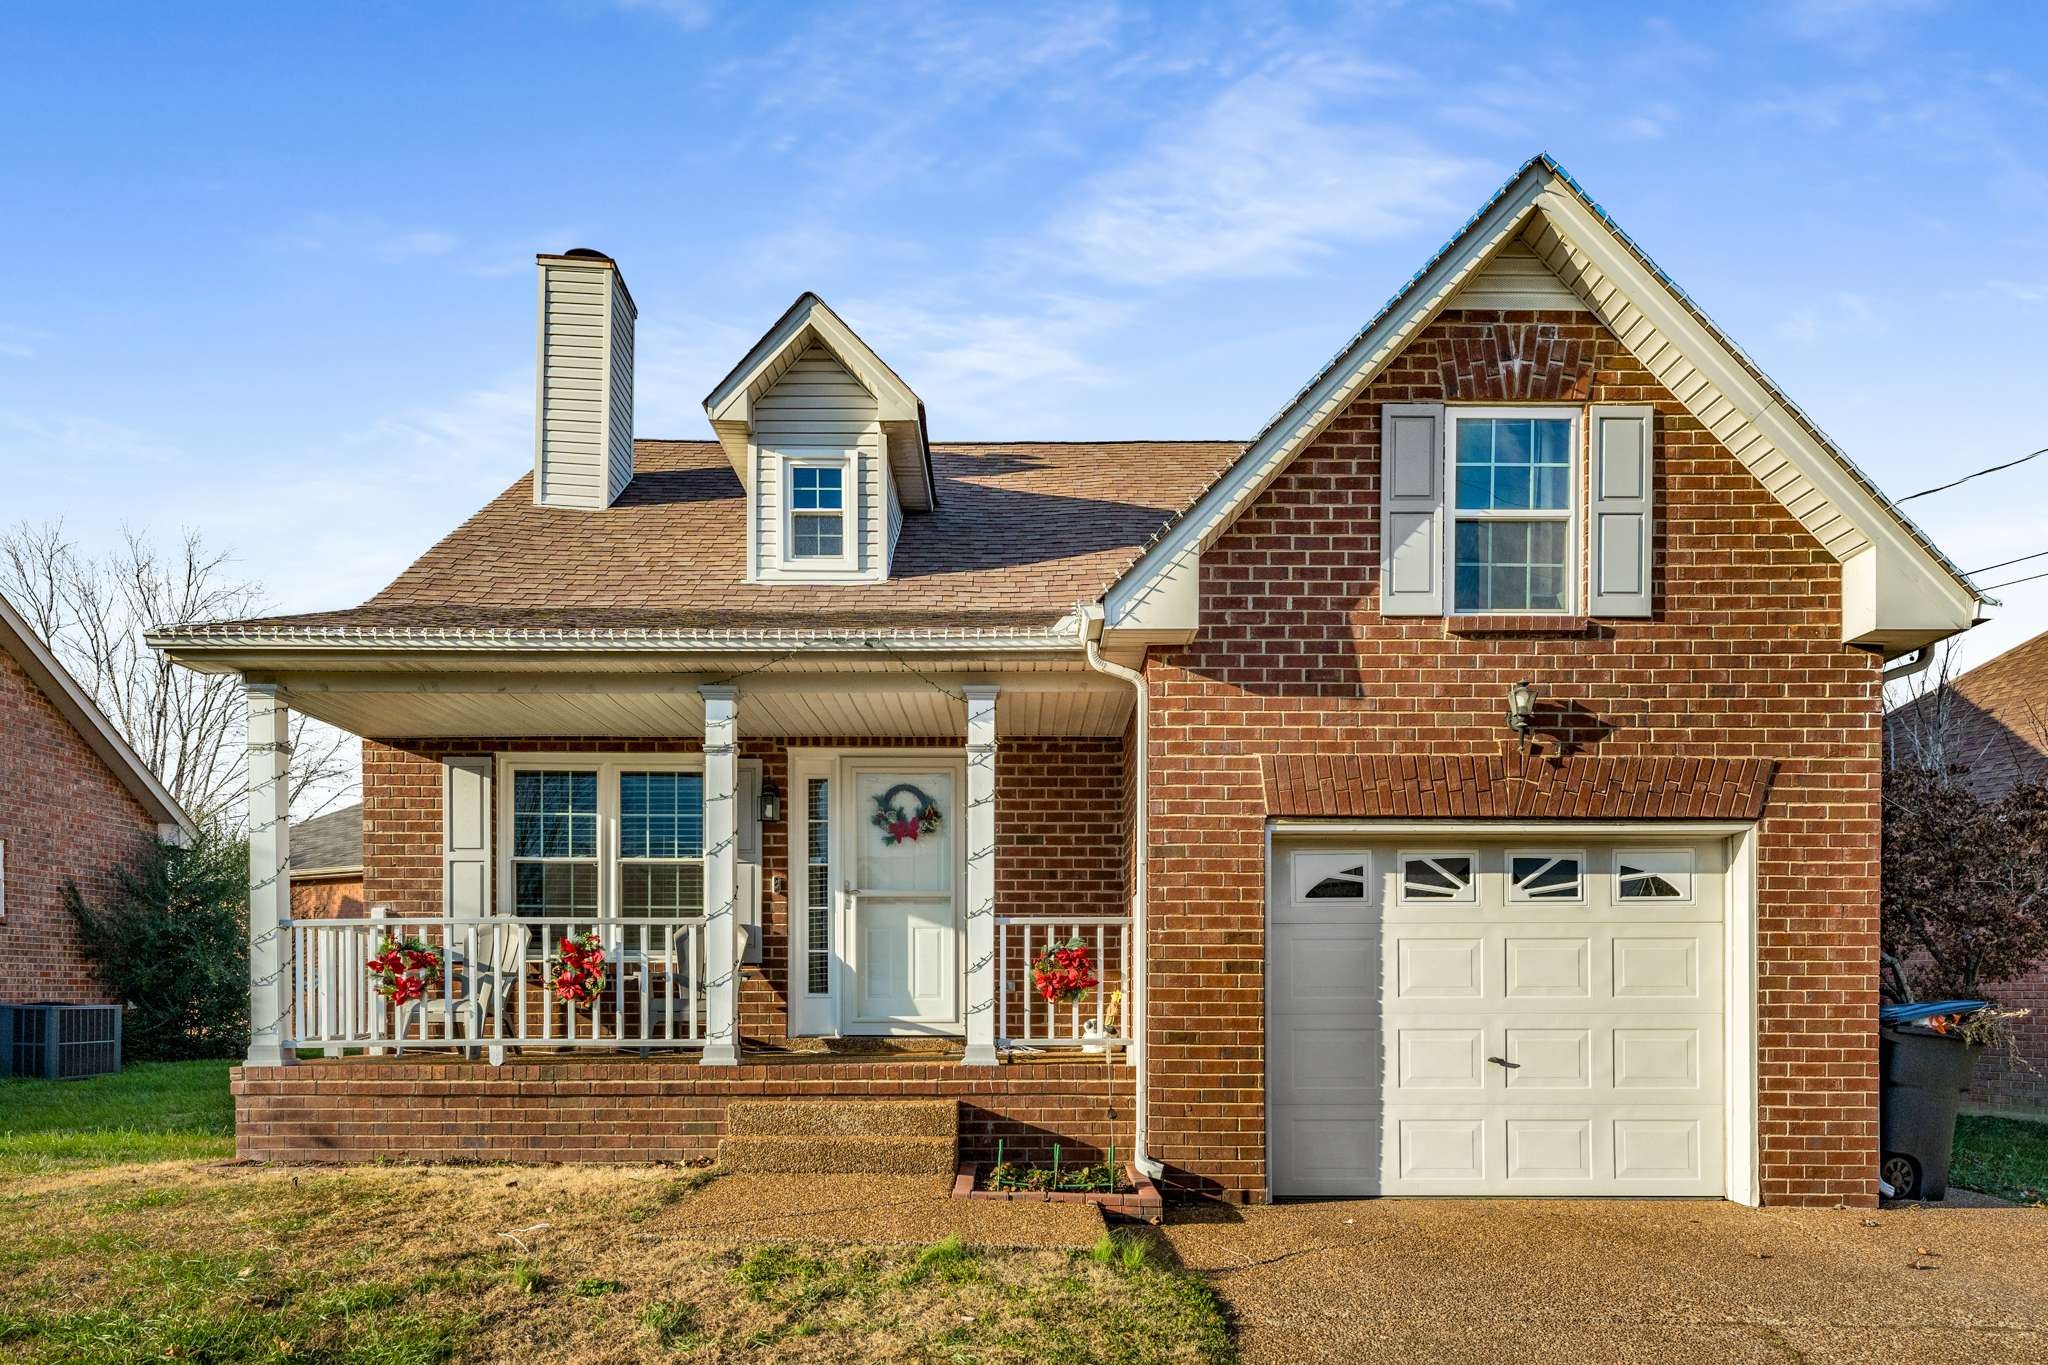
{"x":642,"y":868}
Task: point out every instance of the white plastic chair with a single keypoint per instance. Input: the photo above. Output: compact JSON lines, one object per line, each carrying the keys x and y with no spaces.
{"x":493,"y":977}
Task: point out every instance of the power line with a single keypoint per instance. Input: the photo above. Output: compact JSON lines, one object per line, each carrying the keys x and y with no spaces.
{"x":1943,"y":488}
{"x":2004,"y":562}
{"x":2015,"y":582}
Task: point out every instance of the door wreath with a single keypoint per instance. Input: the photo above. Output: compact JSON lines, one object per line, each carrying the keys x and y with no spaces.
{"x":899,"y":826}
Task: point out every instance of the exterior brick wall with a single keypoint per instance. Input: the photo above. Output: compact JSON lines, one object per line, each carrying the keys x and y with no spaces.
{"x":1061,"y":834}
{"x":627,"y":1111}
{"x":64,"y":817}
{"x":1741,"y":660}
{"x":327,"y":897}
{"x":2015,"y":1080}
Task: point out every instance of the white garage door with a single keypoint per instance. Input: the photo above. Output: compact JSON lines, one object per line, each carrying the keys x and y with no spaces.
{"x":1497,"y":1018}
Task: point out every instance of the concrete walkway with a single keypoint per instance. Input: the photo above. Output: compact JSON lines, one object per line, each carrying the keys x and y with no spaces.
{"x":1528,"y":1281}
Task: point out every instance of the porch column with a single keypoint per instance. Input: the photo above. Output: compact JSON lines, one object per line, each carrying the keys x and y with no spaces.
{"x":270,"y":874}
{"x":981,"y":875}
{"x":721,"y":876}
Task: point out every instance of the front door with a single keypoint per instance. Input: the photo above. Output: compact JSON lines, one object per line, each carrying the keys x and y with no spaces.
{"x":904,"y":867}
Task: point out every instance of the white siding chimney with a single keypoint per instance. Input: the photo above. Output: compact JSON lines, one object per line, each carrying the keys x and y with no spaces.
{"x":583,"y":391}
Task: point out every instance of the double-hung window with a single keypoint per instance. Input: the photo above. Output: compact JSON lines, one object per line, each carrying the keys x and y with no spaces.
{"x":817,"y":511}
{"x":554,"y":842}
{"x":605,"y":838}
{"x":1513,"y":481}
{"x":661,"y":845}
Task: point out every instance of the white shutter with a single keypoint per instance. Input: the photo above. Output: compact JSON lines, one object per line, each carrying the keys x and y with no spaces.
{"x":1412,"y":509}
{"x":466,"y":836}
{"x":1622,"y":450}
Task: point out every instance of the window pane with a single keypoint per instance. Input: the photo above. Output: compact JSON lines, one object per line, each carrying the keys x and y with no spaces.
{"x":1436,"y":878}
{"x":661,"y":890}
{"x":1510,"y":487}
{"x":554,"y":815}
{"x":1553,"y":441}
{"x":818,"y":536}
{"x":818,"y":887}
{"x":555,"y":888}
{"x":1512,"y":441}
{"x":1537,"y":877}
{"x":661,"y":815}
{"x":815,"y":490}
{"x":1471,"y":591}
{"x":1546,"y":590}
{"x":1475,"y":486}
{"x":1508,"y":587}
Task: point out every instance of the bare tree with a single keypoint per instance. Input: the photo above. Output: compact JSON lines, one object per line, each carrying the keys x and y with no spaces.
{"x":188,"y":727}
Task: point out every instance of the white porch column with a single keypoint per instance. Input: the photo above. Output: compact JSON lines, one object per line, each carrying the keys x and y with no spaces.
{"x":721,"y":876}
{"x":270,"y":876}
{"x":981,"y":875}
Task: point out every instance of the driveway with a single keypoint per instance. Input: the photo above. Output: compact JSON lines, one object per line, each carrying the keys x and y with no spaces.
{"x":1530,"y":1281}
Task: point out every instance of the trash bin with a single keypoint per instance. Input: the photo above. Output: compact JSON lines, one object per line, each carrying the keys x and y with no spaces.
{"x":1923,"y":1075}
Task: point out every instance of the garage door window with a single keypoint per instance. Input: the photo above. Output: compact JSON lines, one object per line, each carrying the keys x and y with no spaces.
{"x":1437,"y":878}
{"x":1546,"y":877}
{"x":1332,"y":877}
{"x":1662,"y":874}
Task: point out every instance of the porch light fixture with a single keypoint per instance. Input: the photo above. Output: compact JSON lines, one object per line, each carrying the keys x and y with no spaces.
{"x":771,"y":802}
{"x":1522,"y":709}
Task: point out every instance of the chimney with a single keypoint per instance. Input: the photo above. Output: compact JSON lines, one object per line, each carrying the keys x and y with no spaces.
{"x":583,"y":391}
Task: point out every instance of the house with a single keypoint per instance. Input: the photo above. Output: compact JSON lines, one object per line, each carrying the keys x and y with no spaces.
{"x":825,"y":730}
{"x":75,"y":803}
{"x":1990,"y":723}
{"x":327,"y":864}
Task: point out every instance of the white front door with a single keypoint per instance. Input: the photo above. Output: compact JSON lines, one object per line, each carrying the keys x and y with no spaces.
{"x":1498,"y":1017}
{"x":904,"y":861}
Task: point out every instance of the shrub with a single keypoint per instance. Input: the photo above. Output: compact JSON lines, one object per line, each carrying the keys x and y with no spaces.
{"x":171,"y":939}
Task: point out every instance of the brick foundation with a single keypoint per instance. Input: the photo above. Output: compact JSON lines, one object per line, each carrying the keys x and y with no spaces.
{"x":656,"y":1109}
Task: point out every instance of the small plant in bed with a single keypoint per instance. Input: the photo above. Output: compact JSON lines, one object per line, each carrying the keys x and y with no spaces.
{"x":1089,"y":1178}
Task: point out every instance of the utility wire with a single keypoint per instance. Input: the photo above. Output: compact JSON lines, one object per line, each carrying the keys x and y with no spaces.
{"x":2004,"y":562}
{"x":2015,"y":582}
{"x":1944,"y":487}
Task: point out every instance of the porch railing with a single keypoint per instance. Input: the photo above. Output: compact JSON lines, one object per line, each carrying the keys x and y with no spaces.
{"x":1026,"y":1019}
{"x":493,"y":988}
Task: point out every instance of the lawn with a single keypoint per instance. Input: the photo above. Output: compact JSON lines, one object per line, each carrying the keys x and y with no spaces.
{"x":2005,"y":1157}
{"x":124,"y":1237}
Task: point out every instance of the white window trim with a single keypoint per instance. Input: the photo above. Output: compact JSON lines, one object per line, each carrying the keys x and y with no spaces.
{"x":1514,"y":894}
{"x":1401,"y":896}
{"x":1574,"y":516}
{"x":1691,"y":877}
{"x":811,"y":1015}
{"x":607,"y":767}
{"x":793,"y":458}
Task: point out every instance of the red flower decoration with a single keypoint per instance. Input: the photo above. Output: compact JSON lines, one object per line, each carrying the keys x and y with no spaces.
{"x":1064,"y":973}
{"x":578,"y":976}
{"x":404,"y":969}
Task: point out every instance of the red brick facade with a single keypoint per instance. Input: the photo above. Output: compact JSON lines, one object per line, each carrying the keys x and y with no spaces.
{"x":64,"y":817}
{"x":1742,"y":660}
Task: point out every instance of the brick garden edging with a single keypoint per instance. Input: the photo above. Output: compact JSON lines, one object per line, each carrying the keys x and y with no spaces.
{"x":1144,"y":1201}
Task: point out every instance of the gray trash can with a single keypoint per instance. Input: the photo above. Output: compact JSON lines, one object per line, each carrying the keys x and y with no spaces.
{"x":1923,"y":1076}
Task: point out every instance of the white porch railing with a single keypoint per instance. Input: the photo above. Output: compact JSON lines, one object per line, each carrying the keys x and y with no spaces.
{"x":493,"y":990}
{"x":1026,"y":1019}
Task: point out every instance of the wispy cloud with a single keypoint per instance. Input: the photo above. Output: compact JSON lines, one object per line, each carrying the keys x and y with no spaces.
{"x":1270,"y":175}
{"x":415,"y":245}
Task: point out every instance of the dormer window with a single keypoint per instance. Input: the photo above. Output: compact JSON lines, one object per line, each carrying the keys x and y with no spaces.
{"x":817,"y":511}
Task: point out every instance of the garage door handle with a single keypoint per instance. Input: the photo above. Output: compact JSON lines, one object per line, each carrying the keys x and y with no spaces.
{"x":1502,"y":1061}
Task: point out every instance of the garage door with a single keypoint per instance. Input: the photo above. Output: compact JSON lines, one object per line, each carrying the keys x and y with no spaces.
{"x":1497,"y":1018}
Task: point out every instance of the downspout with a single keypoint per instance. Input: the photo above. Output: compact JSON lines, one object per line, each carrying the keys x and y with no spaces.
{"x":1141,"y":1155}
{"x":1913,"y":667}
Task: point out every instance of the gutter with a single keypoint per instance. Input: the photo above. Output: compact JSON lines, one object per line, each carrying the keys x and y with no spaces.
{"x":1065,"y":633}
{"x":1141,"y":1156}
{"x":1912,"y":668}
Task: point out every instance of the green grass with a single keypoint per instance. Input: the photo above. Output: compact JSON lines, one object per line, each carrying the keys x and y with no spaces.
{"x":2005,"y":1157}
{"x":152,"y":1111}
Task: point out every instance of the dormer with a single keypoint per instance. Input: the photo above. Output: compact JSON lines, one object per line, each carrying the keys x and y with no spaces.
{"x":830,"y":444}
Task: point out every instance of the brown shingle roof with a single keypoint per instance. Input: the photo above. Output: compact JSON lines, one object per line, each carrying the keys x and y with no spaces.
{"x":1023,"y":532}
{"x":1992,"y":722}
{"x":333,"y":840}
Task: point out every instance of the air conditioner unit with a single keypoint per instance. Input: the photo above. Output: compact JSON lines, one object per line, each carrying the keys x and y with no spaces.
{"x":62,"y":1042}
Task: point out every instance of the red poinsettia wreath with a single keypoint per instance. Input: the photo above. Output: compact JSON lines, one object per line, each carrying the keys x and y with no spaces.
{"x":579,"y":972}
{"x":405,"y":969}
{"x":1064,"y":972}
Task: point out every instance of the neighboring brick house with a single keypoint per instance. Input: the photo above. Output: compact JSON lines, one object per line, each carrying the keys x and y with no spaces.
{"x":1991,"y":723}
{"x":327,"y":865}
{"x":75,"y":802}
{"x":1467,"y":786}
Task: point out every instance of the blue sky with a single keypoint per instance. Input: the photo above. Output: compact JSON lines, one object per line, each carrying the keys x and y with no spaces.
{"x":269,"y":267}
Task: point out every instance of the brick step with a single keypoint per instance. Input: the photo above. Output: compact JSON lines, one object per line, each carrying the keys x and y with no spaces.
{"x":839,"y":1155}
{"x":852,"y":1118}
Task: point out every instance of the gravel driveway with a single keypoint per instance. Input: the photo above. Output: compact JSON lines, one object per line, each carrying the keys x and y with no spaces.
{"x":1529,"y":1281}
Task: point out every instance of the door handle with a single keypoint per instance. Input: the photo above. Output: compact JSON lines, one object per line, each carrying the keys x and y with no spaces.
{"x":1504,"y":1062}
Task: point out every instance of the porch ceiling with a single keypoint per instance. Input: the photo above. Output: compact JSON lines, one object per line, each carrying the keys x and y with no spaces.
{"x":1045,"y":703}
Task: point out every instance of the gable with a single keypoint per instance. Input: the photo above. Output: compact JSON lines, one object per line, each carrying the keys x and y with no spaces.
{"x":1898,"y":591}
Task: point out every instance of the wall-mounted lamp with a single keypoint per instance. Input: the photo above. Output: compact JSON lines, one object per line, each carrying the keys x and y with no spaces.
{"x":1522,"y":710}
{"x":771,"y":802}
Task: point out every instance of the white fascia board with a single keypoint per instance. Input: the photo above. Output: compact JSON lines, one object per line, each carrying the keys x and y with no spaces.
{"x":810,"y":315}
{"x":1903,"y":590}
{"x":1315,"y":407}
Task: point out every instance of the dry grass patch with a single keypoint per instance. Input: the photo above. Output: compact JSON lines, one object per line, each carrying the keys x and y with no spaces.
{"x":400,"y":1264}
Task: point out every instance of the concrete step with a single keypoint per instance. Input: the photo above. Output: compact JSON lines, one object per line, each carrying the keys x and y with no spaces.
{"x":839,"y":1155}
{"x":843,"y":1119}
